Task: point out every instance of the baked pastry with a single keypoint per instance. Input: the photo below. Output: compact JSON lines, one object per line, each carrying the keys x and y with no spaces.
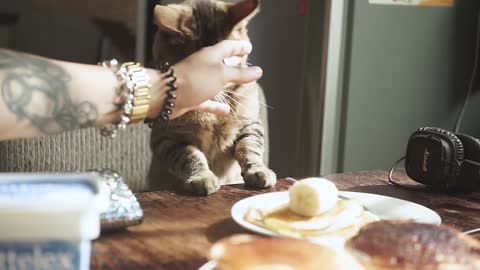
{"x":248,"y":252}
{"x":414,"y":246}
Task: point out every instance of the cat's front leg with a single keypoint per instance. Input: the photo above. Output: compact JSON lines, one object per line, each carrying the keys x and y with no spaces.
{"x":248,"y":151}
{"x":189,"y":164}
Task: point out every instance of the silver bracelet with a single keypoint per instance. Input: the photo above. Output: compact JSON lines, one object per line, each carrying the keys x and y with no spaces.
{"x":134,"y":91}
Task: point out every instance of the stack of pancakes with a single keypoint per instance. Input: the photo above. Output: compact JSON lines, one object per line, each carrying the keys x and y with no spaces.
{"x":395,"y":245}
{"x":342,"y":221}
{"x":314,"y":210}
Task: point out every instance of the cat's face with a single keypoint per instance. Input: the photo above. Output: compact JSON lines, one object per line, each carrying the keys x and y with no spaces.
{"x":187,"y":27}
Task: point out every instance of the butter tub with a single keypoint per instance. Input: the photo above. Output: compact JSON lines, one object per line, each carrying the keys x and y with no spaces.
{"x":47,"y":221}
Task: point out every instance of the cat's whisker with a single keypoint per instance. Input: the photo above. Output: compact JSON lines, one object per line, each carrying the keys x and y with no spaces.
{"x":225,"y":95}
{"x":220,"y":99}
{"x":244,"y":96}
{"x":217,"y":98}
{"x":233,"y":93}
{"x":230,"y":91}
{"x":236,"y":102}
{"x":266,"y":105}
{"x":223,"y":100}
{"x":232,"y":112}
{"x":241,"y":106}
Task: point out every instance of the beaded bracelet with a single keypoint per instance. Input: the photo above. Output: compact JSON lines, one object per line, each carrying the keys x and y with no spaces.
{"x":134,"y":90}
{"x":169,"y":103}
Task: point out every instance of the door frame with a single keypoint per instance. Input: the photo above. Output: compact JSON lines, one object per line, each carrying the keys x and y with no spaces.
{"x":334,"y":86}
{"x":322,"y":97}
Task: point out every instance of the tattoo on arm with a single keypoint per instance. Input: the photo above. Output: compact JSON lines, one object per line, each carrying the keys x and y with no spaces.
{"x":36,"y":90}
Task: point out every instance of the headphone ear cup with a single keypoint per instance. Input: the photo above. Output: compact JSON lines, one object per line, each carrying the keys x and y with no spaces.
{"x":471,"y":147}
{"x":455,"y":139}
{"x":471,"y":163}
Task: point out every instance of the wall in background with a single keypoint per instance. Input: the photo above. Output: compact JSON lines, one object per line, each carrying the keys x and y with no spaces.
{"x":407,"y":67}
{"x":6,"y":8}
{"x":467,"y":18}
{"x":52,"y":35}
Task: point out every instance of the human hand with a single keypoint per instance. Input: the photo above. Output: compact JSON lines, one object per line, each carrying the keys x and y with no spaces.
{"x":203,"y":74}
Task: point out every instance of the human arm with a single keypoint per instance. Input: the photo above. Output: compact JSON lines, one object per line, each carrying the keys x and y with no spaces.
{"x":40,"y":96}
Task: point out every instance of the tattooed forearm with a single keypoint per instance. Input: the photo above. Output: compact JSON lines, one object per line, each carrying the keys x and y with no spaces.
{"x":36,"y":90}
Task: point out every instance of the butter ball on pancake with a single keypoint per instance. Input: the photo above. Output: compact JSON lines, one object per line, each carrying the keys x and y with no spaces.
{"x":312,"y":196}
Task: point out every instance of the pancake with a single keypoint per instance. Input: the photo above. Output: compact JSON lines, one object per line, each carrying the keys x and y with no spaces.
{"x":343,"y":220}
{"x":415,"y":246}
{"x":247,"y":252}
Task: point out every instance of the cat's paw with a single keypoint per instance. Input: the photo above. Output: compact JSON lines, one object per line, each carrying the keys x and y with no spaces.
{"x":259,"y":176}
{"x":202,"y":184}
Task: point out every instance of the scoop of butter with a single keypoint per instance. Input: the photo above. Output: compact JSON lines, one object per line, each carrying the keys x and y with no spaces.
{"x":312,"y":196}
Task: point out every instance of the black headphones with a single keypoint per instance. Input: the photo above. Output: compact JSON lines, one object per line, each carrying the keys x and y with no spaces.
{"x":443,"y":160}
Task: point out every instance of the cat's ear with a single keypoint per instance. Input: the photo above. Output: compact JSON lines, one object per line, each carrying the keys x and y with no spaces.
{"x":242,"y":10}
{"x":167,"y":18}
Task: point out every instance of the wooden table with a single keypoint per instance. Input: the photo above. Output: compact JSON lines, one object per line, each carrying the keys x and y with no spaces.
{"x":178,"y":230}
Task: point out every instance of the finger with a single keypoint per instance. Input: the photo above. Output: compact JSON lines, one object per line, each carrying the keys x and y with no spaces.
{"x":229,"y":48}
{"x":241,"y":75}
{"x":213,"y":107}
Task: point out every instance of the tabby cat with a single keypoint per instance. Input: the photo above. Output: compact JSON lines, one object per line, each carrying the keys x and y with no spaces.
{"x":202,"y":151}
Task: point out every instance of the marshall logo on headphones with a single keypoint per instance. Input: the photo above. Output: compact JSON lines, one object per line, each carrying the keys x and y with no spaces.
{"x":426,"y":156}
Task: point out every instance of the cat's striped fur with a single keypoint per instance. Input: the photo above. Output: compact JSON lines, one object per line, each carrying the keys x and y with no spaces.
{"x":203,"y":151}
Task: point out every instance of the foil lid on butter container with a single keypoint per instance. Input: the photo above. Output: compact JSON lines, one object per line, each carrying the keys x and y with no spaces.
{"x":124,"y":209}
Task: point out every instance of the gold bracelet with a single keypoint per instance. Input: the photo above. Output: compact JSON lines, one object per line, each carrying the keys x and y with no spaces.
{"x":138,"y":84}
{"x":134,"y":90}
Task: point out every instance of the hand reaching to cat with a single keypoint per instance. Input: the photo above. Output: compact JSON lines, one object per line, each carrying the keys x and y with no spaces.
{"x":203,"y":74}
{"x":85,"y":96}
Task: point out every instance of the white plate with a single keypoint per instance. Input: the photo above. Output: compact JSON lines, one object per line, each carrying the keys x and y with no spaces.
{"x":382,"y":206}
